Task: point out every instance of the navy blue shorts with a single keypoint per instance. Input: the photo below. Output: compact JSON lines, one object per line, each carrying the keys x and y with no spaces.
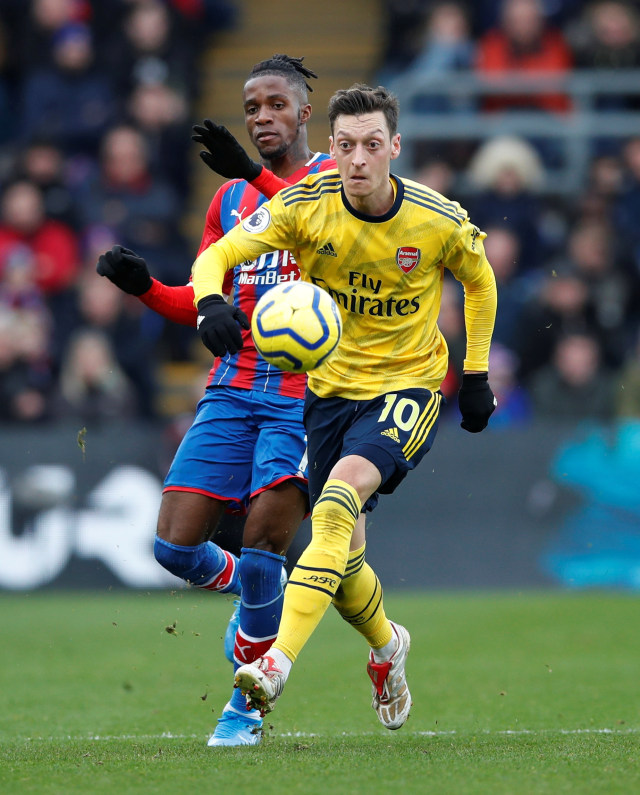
{"x":240,"y":443}
{"x":393,"y":431}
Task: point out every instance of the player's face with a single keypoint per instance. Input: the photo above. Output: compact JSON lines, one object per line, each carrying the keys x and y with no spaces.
{"x":363,"y":149}
{"x":273,"y":115}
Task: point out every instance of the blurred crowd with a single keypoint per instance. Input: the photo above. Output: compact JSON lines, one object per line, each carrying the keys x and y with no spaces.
{"x":96,"y":107}
{"x":567,"y":337}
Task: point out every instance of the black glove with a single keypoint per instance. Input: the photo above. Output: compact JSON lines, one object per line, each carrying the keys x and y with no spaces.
{"x":225,"y":156}
{"x":476,"y":401}
{"x":218,"y":325}
{"x":125,"y":269}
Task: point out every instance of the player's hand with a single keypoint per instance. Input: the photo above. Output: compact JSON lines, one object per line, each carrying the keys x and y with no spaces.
{"x":476,"y":401}
{"x":225,"y":156}
{"x":125,"y":269}
{"x":219,"y":325}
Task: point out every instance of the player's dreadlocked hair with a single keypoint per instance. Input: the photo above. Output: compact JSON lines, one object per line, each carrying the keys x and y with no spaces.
{"x":360,"y":99}
{"x":289,"y":68}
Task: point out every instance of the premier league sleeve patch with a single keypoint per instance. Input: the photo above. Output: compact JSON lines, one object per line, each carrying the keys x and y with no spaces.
{"x":257,"y":221}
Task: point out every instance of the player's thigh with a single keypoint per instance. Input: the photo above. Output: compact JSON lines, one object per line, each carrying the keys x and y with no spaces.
{"x":326,"y":420}
{"x":188,"y":518}
{"x":394,"y":432}
{"x":274,"y":517}
{"x":215,"y":457}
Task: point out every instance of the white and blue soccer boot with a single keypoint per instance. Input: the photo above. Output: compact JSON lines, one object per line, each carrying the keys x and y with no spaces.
{"x":235,"y":729}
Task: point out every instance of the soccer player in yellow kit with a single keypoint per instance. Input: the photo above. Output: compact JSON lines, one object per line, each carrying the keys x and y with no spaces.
{"x":379,"y":245}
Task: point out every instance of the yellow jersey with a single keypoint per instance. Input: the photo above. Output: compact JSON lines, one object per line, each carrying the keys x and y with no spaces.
{"x":384,"y":272}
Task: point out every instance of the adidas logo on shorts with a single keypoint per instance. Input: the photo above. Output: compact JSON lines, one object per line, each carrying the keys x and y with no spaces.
{"x":392,"y":433}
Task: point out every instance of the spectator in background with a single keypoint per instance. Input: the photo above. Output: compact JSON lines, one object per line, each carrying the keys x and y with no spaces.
{"x":507,"y":174}
{"x":502,"y":247}
{"x":525,"y":44}
{"x":25,"y":367}
{"x":149,"y":49}
{"x":560,"y":306}
{"x":121,"y":320}
{"x":403,"y":21}
{"x":613,"y":292}
{"x":603,"y":189}
{"x":70,"y":101}
{"x":43,"y":163}
{"x":35,"y":25}
{"x":575,"y":385}
{"x":92,"y":385}
{"x":608,"y":36}
{"x":25,"y":232}
{"x":160,"y":113}
{"x":438,"y":175}
{"x":446,"y":47}
{"x":141,"y":208}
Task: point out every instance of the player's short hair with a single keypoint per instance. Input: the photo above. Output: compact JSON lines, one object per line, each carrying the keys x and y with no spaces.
{"x":288,"y":67}
{"x":360,"y":99}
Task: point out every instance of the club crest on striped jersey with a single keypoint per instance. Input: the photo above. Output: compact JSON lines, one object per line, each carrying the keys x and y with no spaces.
{"x":407,"y":257}
{"x":258,"y":221}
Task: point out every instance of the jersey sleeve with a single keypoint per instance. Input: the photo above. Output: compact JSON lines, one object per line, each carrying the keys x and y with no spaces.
{"x":268,"y":184}
{"x":174,"y":303}
{"x":467,"y":261}
{"x":269,"y":228}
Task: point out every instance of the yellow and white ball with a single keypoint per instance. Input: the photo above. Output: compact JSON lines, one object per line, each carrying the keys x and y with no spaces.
{"x":296,"y":326}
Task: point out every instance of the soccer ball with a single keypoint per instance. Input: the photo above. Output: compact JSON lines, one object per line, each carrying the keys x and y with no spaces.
{"x":295,"y":326}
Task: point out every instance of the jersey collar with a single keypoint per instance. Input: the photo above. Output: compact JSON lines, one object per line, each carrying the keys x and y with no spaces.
{"x":377,"y":219}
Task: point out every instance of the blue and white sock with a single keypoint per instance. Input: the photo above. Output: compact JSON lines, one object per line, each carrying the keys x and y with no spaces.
{"x":205,"y":565}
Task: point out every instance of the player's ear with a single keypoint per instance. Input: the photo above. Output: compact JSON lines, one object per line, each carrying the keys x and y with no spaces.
{"x":305,"y":113}
{"x":331,"y":148}
{"x":395,"y":146}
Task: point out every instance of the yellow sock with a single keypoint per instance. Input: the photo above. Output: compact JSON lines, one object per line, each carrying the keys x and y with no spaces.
{"x":359,"y":601}
{"x":317,"y":575}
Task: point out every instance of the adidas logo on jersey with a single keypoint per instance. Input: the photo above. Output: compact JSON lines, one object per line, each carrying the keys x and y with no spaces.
{"x":328,"y":250}
{"x":392,"y":433}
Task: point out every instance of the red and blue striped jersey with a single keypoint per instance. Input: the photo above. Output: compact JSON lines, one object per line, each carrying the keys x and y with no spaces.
{"x":233,"y":202}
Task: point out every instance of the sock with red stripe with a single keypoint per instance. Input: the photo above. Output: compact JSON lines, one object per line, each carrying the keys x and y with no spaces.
{"x":261,"y":605}
{"x":260,"y":608}
{"x":205,"y":565}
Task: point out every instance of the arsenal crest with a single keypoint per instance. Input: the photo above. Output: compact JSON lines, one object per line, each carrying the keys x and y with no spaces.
{"x":407,"y":258}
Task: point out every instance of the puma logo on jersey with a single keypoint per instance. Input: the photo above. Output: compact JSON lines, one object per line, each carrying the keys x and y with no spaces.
{"x":392,"y":433}
{"x":328,"y":250}
{"x":237,"y":214}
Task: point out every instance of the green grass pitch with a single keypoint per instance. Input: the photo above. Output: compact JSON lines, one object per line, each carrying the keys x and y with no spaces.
{"x":117,"y":692}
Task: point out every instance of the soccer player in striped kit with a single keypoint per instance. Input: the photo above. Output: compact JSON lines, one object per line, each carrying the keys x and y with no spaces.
{"x":246,"y":446}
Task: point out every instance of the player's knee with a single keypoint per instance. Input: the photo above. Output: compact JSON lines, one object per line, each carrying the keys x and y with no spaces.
{"x":175,"y":559}
{"x":254,"y":562}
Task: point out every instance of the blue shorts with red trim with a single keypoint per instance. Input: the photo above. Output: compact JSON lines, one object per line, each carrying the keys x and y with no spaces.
{"x":393,"y":431}
{"x":241,"y":442}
